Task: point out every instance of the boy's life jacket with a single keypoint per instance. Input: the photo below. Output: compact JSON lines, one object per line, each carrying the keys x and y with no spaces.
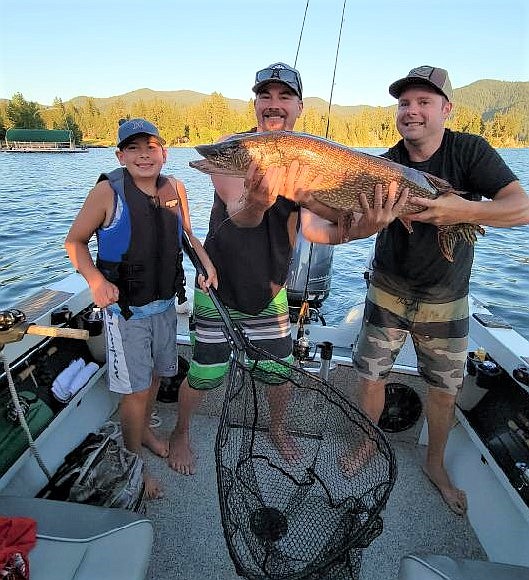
{"x":141,"y":251}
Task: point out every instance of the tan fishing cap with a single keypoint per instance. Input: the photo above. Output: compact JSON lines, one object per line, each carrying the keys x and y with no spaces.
{"x":279,"y":73}
{"x":437,"y":78}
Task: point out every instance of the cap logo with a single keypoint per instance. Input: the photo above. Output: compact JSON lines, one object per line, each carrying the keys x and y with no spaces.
{"x":138,"y":124}
{"x":422,"y":71}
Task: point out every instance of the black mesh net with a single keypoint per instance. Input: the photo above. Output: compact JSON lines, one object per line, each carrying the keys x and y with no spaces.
{"x":302,"y":474}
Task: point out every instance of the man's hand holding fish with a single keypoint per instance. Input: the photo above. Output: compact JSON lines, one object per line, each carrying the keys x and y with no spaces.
{"x":296,"y":183}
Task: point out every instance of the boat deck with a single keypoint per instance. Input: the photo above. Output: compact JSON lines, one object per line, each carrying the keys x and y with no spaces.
{"x":189,"y":541}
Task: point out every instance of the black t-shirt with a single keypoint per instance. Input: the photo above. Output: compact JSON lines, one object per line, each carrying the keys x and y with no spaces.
{"x":252,"y":263}
{"x":411,"y":265}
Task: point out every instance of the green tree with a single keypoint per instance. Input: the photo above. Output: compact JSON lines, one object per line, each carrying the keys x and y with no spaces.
{"x":24,"y":114}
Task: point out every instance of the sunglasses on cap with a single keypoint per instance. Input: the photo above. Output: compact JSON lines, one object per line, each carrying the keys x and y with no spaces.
{"x":282,"y":73}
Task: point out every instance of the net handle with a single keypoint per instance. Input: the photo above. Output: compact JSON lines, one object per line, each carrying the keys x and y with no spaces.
{"x":234,"y":332}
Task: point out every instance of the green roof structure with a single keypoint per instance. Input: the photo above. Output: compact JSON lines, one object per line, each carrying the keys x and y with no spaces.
{"x":39,"y":135}
{"x":41,"y":140}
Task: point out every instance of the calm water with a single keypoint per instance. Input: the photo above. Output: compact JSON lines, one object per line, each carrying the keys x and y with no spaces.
{"x":40,"y":195}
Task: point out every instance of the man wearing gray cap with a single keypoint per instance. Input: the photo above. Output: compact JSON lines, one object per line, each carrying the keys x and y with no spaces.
{"x":413,"y":288}
{"x":251,"y":234}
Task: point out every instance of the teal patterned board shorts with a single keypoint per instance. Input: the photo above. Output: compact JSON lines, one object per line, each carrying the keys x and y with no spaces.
{"x":269,"y":330}
{"x":439,"y":333}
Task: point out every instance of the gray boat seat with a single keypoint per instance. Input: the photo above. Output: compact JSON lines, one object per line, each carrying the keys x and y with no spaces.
{"x":414,"y":567}
{"x":84,"y":542}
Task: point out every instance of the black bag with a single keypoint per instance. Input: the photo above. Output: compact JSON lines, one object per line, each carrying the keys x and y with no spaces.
{"x":101,"y":472}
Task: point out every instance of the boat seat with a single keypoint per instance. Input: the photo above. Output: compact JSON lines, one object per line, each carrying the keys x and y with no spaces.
{"x":84,"y":542}
{"x":413,"y":567}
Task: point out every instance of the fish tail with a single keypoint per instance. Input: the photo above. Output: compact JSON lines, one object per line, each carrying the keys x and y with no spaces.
{"x":448,"y":236}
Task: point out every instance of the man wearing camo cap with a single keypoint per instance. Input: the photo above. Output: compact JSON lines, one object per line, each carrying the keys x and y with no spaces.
{"x":414,"y":289}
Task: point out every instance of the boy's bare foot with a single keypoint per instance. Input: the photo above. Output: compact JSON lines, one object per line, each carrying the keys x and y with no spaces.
{"x":159,"y":447}
{"x":153,"y":488}
{"x":355,"y":459}
{"x":455,"y":498}
{"x":181,"y":457}
{"x":285,"y":444}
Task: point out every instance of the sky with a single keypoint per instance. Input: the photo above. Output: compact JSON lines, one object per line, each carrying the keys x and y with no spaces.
{"x":103,"y":48}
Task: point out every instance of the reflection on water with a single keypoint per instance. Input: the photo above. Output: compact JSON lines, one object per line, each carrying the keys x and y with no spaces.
{"x":40,"y":195}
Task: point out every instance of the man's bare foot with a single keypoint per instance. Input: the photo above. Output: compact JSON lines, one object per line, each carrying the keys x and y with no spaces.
{"x":355,"y":459}
{"x":285,"y":444}
{"x":455,"y":498}
{"x":153,"y":488}
{"x":181,"y":457}
{"x":159,"y":447}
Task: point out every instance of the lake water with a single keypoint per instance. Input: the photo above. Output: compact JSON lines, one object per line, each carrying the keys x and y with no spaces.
{"x":40,"y":195}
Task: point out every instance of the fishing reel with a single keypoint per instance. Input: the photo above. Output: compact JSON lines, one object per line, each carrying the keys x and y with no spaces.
{"x":12,"y":326}
{"x":301,"y":349}
{"x":301,"y":346}
{"x":10,"y":318}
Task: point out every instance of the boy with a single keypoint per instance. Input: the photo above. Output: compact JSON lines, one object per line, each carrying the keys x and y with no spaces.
{"x":138,"y":215}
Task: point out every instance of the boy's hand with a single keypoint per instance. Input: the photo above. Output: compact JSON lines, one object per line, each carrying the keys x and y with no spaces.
{"x":211,"y":280}
{"x":104,"y":293}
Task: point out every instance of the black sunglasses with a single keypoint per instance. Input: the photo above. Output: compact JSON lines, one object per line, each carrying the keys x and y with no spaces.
{"x":283,"y":74}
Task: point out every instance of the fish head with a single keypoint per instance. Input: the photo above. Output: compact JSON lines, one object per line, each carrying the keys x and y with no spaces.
{"x":229,"y":157}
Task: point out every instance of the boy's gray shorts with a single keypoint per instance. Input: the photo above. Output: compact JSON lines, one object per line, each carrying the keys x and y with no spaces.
{"x":137,"y":348}
{"x":439,"y":333}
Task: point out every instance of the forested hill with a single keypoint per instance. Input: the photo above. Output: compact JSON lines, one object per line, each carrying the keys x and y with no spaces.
{"x":497,"y":110}
{"x":486,"y":97}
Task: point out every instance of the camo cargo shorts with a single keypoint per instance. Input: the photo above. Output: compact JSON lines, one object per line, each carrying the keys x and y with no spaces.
{"x":439,"y":333}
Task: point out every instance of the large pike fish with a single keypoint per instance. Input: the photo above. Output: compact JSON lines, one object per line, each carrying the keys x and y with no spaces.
{"x":345,"y":173}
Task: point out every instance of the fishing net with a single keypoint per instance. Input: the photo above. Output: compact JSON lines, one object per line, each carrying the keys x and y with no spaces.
{"x":308,"y":510}
{"x":302,"y":474}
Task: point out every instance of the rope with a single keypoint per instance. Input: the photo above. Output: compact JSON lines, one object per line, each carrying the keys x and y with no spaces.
{"x":21,"y":418}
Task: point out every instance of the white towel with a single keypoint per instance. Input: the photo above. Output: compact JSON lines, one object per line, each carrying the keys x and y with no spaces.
{"x":82,"y":378}
{"x":63,"y":380}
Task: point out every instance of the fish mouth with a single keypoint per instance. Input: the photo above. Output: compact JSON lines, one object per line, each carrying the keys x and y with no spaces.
{"x":211,"y":168}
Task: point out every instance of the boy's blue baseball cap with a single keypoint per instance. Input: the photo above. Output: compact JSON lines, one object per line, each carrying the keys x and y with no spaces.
{"x":128,"y":129}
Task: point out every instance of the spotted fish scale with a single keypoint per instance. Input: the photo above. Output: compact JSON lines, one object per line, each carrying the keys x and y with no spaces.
{"x":344,"y":174}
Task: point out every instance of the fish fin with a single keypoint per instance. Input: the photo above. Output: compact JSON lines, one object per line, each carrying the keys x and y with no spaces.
{"x":442,"y":185}
{"x":448,"y":236}
{"x":406,"y":222}
{"x":210,"y":168}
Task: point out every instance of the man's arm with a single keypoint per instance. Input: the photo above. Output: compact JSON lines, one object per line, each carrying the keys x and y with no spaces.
{"x":509,"y":207}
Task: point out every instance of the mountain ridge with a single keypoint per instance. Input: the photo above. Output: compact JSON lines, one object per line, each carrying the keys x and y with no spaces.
{"x":487,"y":95}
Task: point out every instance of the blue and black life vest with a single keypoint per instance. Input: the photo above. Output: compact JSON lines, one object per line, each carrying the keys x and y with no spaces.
{"x":141,"y":252}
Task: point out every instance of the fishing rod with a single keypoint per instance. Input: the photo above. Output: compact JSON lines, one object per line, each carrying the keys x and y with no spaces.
{"x":301,"y":345}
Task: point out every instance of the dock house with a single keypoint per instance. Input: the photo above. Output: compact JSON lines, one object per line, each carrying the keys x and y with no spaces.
{"x":41,"y":141}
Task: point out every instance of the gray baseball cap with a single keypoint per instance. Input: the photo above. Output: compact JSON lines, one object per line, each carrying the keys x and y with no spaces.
{"x":279,"y":72}
{"x":128,"y":129}
{"x":437,"y":78}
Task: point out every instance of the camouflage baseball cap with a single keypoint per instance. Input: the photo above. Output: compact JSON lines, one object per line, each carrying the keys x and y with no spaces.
{"x":437,"y":78}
